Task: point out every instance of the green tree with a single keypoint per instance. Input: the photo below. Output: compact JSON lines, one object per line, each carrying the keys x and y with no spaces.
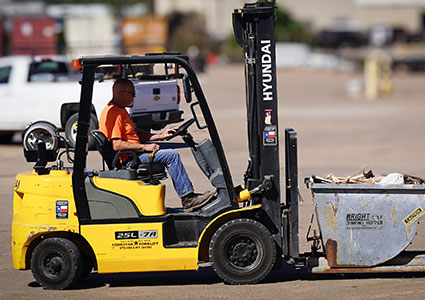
{"x":287,"y":29}
{"x":187,"y":29}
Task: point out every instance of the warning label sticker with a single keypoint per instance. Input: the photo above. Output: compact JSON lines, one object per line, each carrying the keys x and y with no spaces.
{"x":416,"y":214}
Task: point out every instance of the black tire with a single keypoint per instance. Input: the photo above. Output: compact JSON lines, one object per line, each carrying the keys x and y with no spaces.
{"x":87,"y":266}
{"x":71,"y":130}
{"x":242,"y":251}
{"x":56,"y":263}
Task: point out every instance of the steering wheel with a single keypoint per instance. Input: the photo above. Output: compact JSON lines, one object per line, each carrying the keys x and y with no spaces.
{"x":182,"y":129}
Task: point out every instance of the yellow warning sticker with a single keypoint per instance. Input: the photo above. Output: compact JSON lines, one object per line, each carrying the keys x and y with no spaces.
{"x":416,"y":214}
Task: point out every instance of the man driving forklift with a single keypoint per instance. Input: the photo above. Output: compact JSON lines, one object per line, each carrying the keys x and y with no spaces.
{"x":115,"y":123}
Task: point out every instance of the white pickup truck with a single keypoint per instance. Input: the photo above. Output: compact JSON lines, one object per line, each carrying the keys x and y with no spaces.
{"x":45,"y":88}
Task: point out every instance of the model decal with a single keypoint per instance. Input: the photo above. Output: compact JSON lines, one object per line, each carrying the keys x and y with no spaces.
{"x":136,"y":234}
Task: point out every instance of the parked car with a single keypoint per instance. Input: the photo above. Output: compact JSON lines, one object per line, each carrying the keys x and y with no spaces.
{"x":47,"y":88}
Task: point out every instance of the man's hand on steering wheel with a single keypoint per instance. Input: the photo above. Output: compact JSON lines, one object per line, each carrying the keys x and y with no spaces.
{"x":167,"y":133}
{"x":181,"y":130}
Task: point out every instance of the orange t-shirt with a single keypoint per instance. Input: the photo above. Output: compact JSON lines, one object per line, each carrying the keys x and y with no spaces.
{"x":115,"y":122}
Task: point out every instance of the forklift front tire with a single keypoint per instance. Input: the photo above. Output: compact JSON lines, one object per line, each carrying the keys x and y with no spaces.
{"x":56,"y":263}
{"x":242,"y":251}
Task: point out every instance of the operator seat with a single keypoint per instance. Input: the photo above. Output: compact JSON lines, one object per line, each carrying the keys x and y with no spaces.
{"x":151,"y":173}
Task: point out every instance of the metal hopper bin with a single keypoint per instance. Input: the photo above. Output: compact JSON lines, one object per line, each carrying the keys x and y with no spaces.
{"x":367,"y":227}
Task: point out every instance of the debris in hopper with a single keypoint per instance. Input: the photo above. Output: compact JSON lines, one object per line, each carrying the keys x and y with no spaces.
{"x":409,"y":179}
{"x":393,"y":178}
{"x":366,"y":176}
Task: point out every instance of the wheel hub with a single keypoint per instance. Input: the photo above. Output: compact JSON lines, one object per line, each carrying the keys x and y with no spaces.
{"x":53,"y":265}
{"x":74,"y":130}
{"x":243,"y":252}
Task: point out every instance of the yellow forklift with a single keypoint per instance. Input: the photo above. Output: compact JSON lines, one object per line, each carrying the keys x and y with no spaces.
{"x":68,"y":221}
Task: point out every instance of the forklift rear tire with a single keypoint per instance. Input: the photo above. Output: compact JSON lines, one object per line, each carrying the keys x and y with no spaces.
{"x":242,"y":251}
{"x":56,"y":263}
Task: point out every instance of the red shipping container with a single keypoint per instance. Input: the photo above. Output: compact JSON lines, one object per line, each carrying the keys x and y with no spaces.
{"x":34,"y":36}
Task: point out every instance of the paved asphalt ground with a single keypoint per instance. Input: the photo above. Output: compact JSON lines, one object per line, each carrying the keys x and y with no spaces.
{"x":336,"y":133}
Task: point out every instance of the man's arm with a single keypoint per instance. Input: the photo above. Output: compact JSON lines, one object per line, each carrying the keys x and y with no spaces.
{"x":119,"y":144}
{"x":145,"y":136}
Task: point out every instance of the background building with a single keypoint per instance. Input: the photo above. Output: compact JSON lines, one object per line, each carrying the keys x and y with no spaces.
{"x":217,"y":13}
{"x":358,"y":14}
{"x":177,"y":25}
{"x":316,"y":15}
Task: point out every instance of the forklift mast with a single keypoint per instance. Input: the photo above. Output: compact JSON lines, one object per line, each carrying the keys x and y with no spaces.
{"x":253,"y":27}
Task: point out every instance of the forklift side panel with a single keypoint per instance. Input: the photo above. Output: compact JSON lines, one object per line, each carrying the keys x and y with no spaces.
{"x":148,"y":199}
{"x":106,"y":205}
{"x":136,"y":248}
{"x":41,"y":204}
{"x":180,"y":232}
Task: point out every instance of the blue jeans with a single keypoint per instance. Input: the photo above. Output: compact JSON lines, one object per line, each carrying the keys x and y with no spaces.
{"x":171,"y":160}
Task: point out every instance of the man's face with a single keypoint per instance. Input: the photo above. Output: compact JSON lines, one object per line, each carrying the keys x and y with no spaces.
{"x":127,"y":94}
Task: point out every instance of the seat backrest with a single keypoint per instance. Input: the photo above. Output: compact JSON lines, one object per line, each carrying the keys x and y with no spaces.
{"x":147,"y":172}
{"x":104,"y":146}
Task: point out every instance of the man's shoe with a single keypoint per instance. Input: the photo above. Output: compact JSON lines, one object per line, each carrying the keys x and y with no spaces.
{"x":195,"y":201}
